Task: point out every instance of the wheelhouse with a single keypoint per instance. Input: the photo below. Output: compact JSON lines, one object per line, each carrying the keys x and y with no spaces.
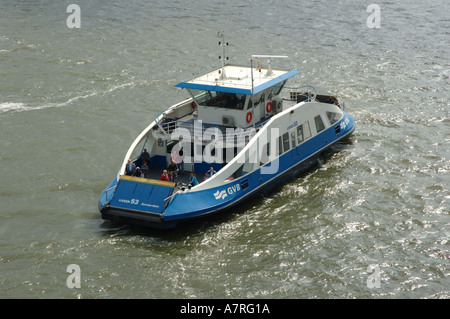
{"x":244,"y":96}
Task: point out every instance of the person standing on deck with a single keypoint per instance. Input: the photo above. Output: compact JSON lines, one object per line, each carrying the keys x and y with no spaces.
{"x":211,"y":172}
{"x":130,"y":168}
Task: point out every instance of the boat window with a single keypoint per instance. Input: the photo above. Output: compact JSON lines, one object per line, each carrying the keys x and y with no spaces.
{"x":286,"y":142}
{"x":276,"y":89}
{"x":202,"y":96}
{"x":293,"y":138}
{"x":264,"y":155}
{"x":306,"y":130}
{"x":256,"y":100}
{"x":319,"y":124}
{"x":219,"y":99}
{"x":263,"y":98}
{"x":280,"y":146}
{"x":333,"y":117}
{"x":250,"y":103}
{"x":299,"y":134}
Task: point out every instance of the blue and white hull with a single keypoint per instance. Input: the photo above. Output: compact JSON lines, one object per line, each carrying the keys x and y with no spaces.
{"x":193,"y":204}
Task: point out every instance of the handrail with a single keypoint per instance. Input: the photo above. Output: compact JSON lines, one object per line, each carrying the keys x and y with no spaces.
{"x":169,"y":127}
{"x":106,"y":193}
{"x":156,"y":120}
{"x":166,"y":127}
{"x":303,"y":86}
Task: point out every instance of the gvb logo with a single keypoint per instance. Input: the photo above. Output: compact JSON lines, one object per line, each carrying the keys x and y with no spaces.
{"x":74,"y":279}
{"x":220,"y":194}
{"x":229,"y":191}
{"x":344,"y":123}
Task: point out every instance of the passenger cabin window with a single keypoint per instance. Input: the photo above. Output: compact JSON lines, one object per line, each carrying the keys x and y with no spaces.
{"x":286,"y":142}
{"x":333,"y":117}
{"x":299,"y":134}
{"x":306,"y":130}
{"x":265,"y":154}
{"x":319,"y":124}
{"x":293,"y":138}
{"x":280,"y":146}
{"x":219,"y":99}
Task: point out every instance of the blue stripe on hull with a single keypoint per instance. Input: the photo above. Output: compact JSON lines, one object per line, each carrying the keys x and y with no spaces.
{"x":197,"y":204}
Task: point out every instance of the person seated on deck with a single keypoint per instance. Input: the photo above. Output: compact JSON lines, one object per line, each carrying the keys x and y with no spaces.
{"x":137,"y":172}
{"x":130,"y":168}
{"x":193,"y":180}
{"x":144,"y":169}
{"x":164,"y":177}
{"x":172,"y":170}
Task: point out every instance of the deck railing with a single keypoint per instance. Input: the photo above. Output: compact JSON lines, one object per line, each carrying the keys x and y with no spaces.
{"x":294,"y":94}
{"x":167,"y":125}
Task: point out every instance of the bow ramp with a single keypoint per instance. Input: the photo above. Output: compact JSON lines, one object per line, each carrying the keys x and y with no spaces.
{"x":141,"y":194}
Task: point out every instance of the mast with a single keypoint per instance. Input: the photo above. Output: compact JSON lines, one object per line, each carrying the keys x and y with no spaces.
{"x":222,"y":43}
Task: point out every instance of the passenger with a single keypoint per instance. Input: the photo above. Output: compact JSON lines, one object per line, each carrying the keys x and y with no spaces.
{"x":193,"y":180}
{"x":137,"y":172}
{"x":177,"y":157}
{"x":164,"y":176}
{"x":205,"y":177}
{"x":172,"y":170}
{"x":145,"y":170}
{"x":145,"y":157}
{"x":211,"y":172}
{"x":181,"y":164}
{"x":130,"y":168}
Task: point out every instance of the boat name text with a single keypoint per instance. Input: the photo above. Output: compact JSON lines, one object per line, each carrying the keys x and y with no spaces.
{"x":229,"y":191}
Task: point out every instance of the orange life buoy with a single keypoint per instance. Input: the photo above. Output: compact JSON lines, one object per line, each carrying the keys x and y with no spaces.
{"x":269,"y":107}
{"x":193,"y":104}
{"x":249,"y":117}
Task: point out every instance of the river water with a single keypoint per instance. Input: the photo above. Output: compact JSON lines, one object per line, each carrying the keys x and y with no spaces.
{"x":371,"y":221}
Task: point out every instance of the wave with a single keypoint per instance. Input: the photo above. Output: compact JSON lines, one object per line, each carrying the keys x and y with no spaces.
{"x":14,"y":107}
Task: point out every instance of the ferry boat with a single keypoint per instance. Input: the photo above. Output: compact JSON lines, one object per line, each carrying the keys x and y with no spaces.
{"x":241,"y":133}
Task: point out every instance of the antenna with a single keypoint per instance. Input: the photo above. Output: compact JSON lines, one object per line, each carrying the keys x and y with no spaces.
{"x":269,"y":61}
{"x":251,"y":70}
{"x":222,"y":43}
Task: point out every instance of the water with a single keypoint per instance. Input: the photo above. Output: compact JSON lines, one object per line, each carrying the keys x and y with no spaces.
{"x":73,"y":100}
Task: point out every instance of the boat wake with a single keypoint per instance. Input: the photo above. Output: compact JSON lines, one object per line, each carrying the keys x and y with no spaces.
{"x":14,"y":107}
